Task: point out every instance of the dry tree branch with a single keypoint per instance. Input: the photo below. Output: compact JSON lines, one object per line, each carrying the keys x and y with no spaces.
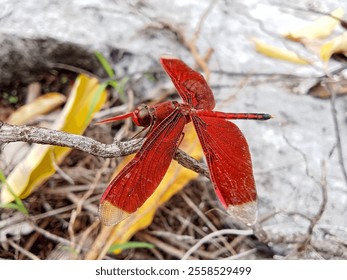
{"x":39,"y":135}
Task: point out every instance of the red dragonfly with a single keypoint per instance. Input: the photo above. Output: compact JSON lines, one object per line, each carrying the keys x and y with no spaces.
{"x":225,"y":148}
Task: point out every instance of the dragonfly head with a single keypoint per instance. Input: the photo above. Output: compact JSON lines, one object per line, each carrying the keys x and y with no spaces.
{"x":143,"y":116}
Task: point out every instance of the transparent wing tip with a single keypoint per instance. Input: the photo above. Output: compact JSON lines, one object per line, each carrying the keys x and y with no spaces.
{"x":168,"y":56}
{"x":246,"y":213}
{"x":110,"y":214}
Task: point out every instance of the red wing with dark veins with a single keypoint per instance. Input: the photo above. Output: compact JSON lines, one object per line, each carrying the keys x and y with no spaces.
{"x":142,"y":175}
{"x":190,"y":85}
{"x":230,"y":165}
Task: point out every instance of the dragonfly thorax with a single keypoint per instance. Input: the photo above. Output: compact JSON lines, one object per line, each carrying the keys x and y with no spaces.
{"x":145,"y":115}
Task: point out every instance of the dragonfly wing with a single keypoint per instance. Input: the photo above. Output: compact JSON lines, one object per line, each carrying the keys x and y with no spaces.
{"x":230,"y":165}
{"x":141,"y":176}
{"x":190,"y":84}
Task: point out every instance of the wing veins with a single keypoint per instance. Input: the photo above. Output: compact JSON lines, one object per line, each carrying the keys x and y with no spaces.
{"x":163,"y":141}
{"x":230,"y":166}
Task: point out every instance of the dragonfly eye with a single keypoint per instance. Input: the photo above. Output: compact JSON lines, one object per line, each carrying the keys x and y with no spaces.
{"x":143,"y":116}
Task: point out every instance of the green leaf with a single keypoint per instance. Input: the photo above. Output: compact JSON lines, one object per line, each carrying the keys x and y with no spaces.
{"x":18,"y":205}
{"x":2,"y":177}
{"x":113,"y":84}
{"x":150,"y":77}
{"x":119,"y":87}
{"x":103,"y":61}
{"x":9,"y":205}
{"x":95,"y":100}
{"x":130,"y":245}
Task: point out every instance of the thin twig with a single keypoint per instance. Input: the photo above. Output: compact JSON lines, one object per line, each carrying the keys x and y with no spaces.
{"x":92,"y":208}
{"x":324,"y":190}
{"x":302,"y":154}
{"x":242,"y":255}
{"x":80,"y":203}
{"x":110,"y":112}
{"x":163,"y":246}
{"x":21,"y":218}
{"x":326,"y":84}
{"x":317,"y":217}
{"x":22,"y":250}
{"x":61,"y":172}
{"x":170,"y":235}
{"x":34,"y":237}
{"x":184,"y":246}
{"x":51,"y":236}
{"x":184,"y":221}
{"x":85,"y":235}
{"x":309,"y":10}
{"x":76,"y":188}
{"x":207,"y":222}
{"x":191,"y":44}
{"x":202,"y":19}
{"x":72,"y":69}
{"x":215,"y":234}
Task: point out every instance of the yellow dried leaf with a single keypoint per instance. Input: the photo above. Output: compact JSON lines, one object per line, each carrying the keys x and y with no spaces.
{"x":40,"y":163}
{"x":318,"y":29}
{"x":175,"y":179}
{"x":336,"y":45}
{"x":278,"y":53}
{"x":40,"y":106}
